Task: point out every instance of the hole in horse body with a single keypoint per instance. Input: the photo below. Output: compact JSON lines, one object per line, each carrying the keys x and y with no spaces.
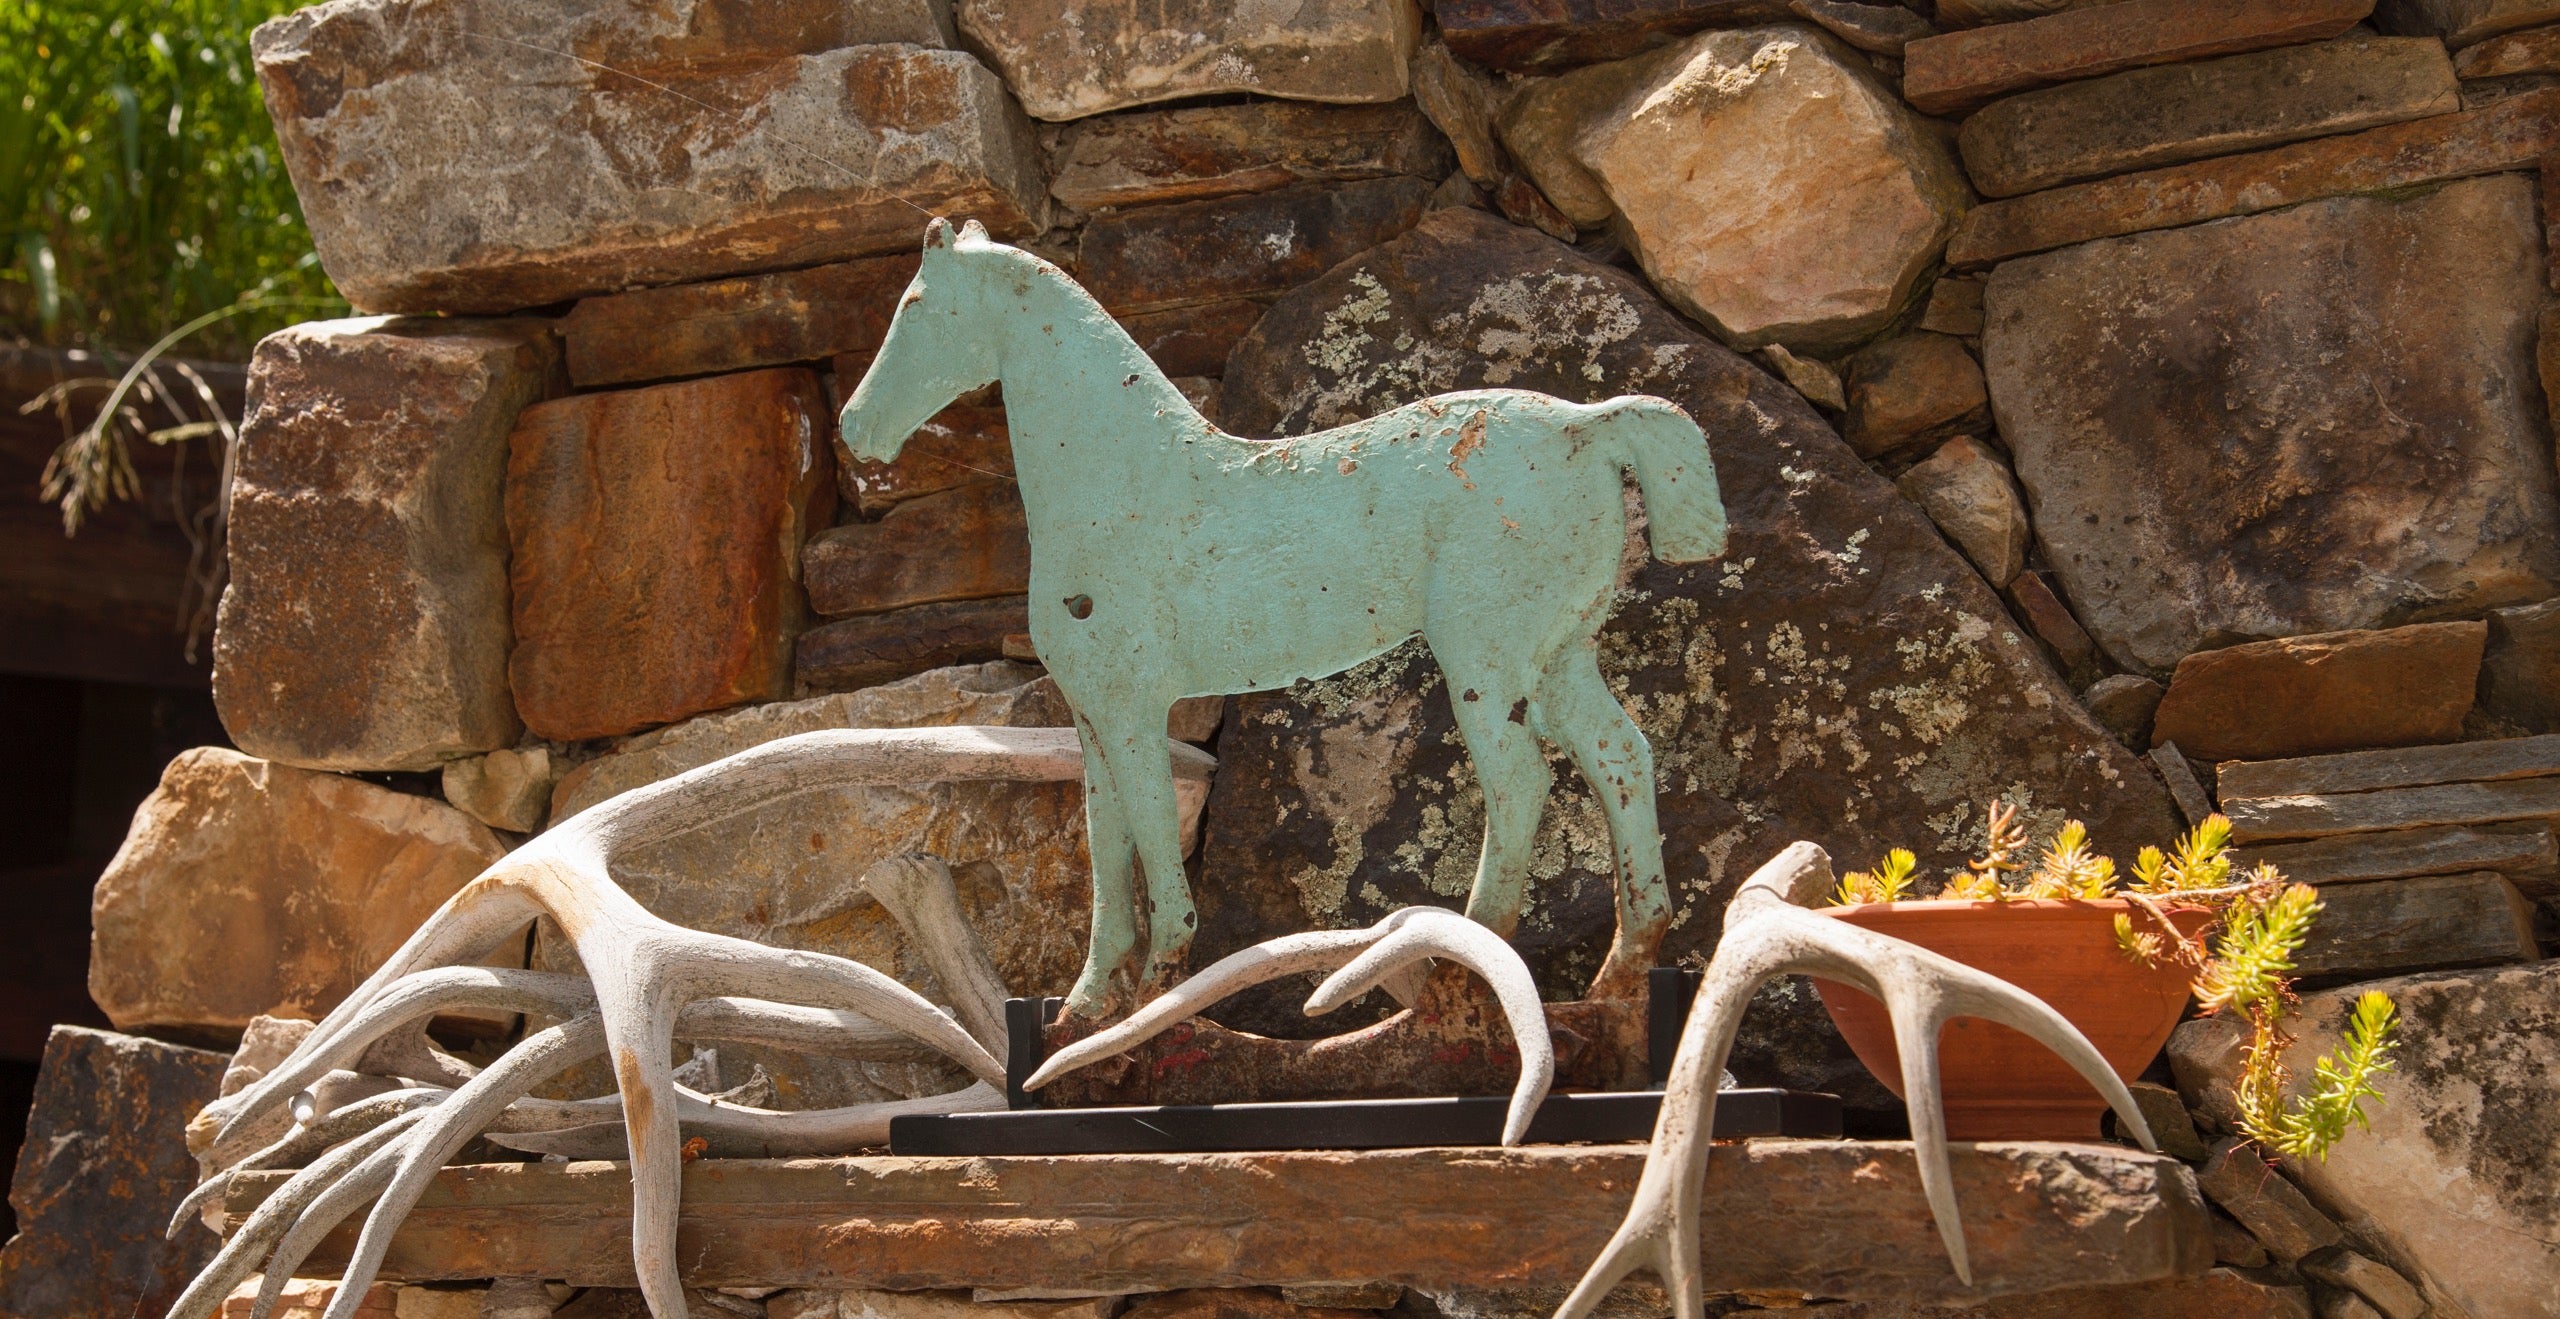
{"x":1079,"y":607}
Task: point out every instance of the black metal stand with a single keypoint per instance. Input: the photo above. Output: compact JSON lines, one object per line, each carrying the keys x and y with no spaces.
{"x":1347,"y":1124}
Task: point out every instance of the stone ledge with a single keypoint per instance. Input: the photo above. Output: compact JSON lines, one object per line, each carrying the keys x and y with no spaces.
{"x":1825,"y":1218}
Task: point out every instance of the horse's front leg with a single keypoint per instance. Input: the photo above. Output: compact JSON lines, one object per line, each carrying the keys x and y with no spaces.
{"x":1140,"y":764}
{"x":1114,"y":934}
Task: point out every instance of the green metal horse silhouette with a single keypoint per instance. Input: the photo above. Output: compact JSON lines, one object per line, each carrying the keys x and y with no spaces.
{"x":1171,"y":559}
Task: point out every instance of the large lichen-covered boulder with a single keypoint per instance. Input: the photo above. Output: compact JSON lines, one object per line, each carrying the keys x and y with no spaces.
{"x":1768,"y":181}
{"x":2453,"y":1185}
{"x":1838,"y":674}
{"x":104,"y":1166}
{"x":2313,"y":420}
{"x":487,"y":155}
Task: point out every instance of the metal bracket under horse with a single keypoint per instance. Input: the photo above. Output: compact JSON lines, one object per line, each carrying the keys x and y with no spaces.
{"x":1171,"y":559}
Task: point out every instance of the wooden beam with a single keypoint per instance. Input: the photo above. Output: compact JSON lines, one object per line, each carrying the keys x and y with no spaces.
{"x":1828,"y":1218}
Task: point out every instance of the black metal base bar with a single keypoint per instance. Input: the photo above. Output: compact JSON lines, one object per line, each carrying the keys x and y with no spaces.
{"x":1349,"y":1124}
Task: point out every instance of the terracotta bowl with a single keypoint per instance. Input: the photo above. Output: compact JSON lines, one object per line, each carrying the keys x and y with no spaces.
{"x":1998,"y":1084}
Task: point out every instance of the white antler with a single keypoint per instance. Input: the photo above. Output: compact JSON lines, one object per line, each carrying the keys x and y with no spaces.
{"x":646,"y":981}
{"x":1768,"y":933}
{"x":1405,"y":940}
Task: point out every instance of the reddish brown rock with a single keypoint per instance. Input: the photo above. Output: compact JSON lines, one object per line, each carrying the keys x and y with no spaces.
{"x":2142,"y":118}
{"x":878,"y":648}
{"x":2520,"y":671}
{"x":104,"y":1166}
{"x":1836,"y":634}
{"x":2536,"y":51}
{"x":2125,"y":703}
{"x":2462,"y":22}
{"x":656,"y":538}
{"x":2052,"y":621}
{"x":2221,"y":1294}
{"x":1955,"y":72}
{"x":1070,"y":58}
{"x":248,"y":888}
{"x":1955,"y":306}
{"x":965,"y":543}
{"x":1193,"y":341}
{"x":960,"y":444}
{"x":2173,"y":401}
{"x":2335,"y":691}
{"x":1239,"y":247}
{"x":1461,"y":102}
{"x":1524,"y":36}
{"x":1967,"y":490}
{"x":542,"y":167}
{"x":1910,"y":389}
{"x":2510,"y":134}
{"x":365,"y":626}
{"x":1199,"y":152}
{"x":733,"y":324}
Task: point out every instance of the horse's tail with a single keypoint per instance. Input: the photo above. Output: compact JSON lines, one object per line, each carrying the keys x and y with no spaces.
{"x":1683,"y":511}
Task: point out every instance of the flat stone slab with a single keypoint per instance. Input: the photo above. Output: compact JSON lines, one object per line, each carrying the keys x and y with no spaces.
{"x":1830,"y":1218}
{"x":2511,"y":134}
{"x":2393,"y":767}
{"x":1960,"y":70}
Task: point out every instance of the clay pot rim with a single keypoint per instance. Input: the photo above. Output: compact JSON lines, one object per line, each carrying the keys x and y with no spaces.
{"x":1997,"y":904}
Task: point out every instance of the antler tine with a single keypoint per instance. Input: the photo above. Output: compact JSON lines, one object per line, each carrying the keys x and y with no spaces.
{"x":724,"y":965}
{"x":735,"y":1131}
{"x":342,"y":1197}
{"x":447,"y":1127}
{"x":1416,"y":934}
{"x":1269,"y":960}
{"x":827,"y":1032}
{"x":920,"y":897}
{"x":304,"y":1141}
{"x":1971,"y":993}
{"x":339,"y":1040}
{"x":249,"y":1242}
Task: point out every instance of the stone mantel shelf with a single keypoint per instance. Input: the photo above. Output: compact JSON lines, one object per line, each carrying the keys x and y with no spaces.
{"x":1821,"y":1217}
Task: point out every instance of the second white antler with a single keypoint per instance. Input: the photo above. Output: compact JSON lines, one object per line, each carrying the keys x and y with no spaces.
{"x":1768,"y":933}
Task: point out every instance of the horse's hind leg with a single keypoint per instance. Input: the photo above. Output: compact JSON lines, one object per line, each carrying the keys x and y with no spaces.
{"x":1140,"y":764}
{"x":1493,"y":718}
{"x":1578,"y":710}
{"x":1114,"y":934}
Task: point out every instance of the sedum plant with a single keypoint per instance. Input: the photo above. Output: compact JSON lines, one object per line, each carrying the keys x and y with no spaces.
{"x":2246,"y":969}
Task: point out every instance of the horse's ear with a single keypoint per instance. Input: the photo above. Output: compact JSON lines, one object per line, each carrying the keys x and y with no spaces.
{"x":973,"y":232}
{"x":937,"y":233}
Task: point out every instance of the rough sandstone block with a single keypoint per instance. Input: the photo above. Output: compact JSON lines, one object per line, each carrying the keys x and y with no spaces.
{"x":1772,"y":186}
{"x":2462,"y":22}
{"x":966,"y":543}
{"x":1161,"y":257}
{"x":509,"y":789}
{"x":2389,"y":927}
{"x":2125,"y":704}
{"x":2037,"y":602}
{"x":1966,"y":489}
{"x":1231,"y":1303}
{"x":2368,"y":771}
{"x":2158,"y":392}
{"x":2525,"y":853}
{"x":1543,"y":36}
{"x":878,"y":648}
{"x":249,"y":888}
{"x":1910,"y":389}
{"x":656,"y":537}
{"x":2332,"y":691}
{"x":733,"y":324}
{"x":2143,"y":118}
{"x":2386,"y":1291}
{"x":1955,"y":72}
{"x":2450,"y":1187}
{"x":365,"y":626}
{"x":2509,"y":134}
{"x":553,"y":150}
{"x":102,"y":1170}
{"x":1193,"y":341}
{"x":1070,"y":58}
{"x":2536,"y":51}
{"x":2238,"y":1178}
{"x":1199,"y":152}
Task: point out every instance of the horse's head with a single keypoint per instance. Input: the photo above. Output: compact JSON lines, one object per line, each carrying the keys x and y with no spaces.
{"x":939,"y":346}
